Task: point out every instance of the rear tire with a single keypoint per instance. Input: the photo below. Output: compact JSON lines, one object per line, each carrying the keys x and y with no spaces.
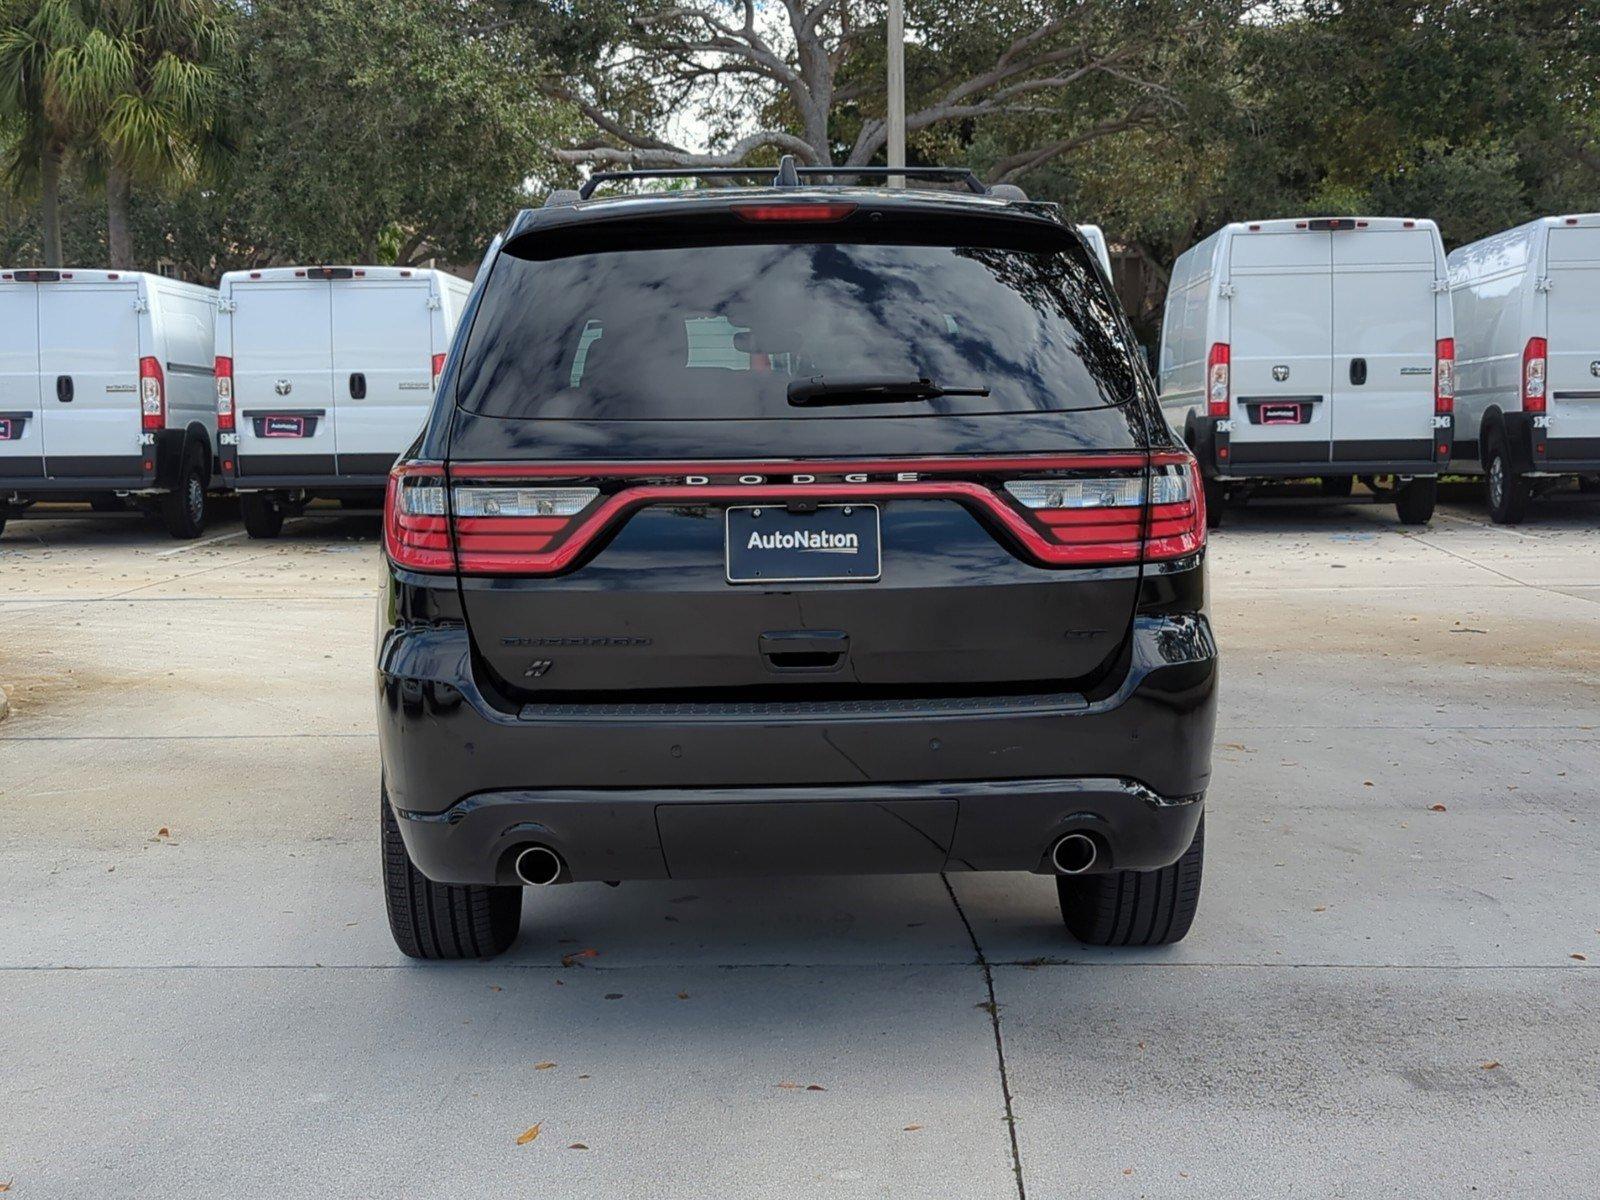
{"x":1589,"y":484}
{"x":442,"y":920}
{"x":262,"y":516}
{"x":1415,"y":501}
{"x":1508,"y":492}
{"x":1135,"y":908}
{"x":183,"y":509}
{"x":1337,"y":486}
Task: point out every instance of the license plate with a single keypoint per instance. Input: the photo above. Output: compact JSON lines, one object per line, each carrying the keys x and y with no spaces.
{"x":769,"y":544}
{"x":284,"y":427}
{"x":5,"y":429}
{"x":1280,"y":414}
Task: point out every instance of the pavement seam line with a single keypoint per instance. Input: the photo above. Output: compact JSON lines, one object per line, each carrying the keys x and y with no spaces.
{"x":999,"y":1040}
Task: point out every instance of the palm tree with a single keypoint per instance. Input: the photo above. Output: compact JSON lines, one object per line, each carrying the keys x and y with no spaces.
{"x":139,"y":88}
{"x":33,"y":34}
{"x":150,"y":84}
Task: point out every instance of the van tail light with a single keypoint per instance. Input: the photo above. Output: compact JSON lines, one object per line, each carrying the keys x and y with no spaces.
{"x":1533,"y":375}
{"x":222,"y":372}
{"x":438,"y":369}
{"x":540,"y":518}
{"x":1444,"y":376}
{"x":152,"y":395}
{"x":1219,"y":382}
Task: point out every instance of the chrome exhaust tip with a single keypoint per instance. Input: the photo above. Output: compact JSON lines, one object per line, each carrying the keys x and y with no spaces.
{"x":1074,"y":853}
{"x":539,"y":866}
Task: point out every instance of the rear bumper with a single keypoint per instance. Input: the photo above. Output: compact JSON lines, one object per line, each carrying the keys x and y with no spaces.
{"x":322,"y":473}
{"x":1223,"y":457}
{"x":696,"y":790}
{"x":1534,"y":450}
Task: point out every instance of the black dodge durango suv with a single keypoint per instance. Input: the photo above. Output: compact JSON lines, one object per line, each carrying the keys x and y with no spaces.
{"x":793,"y":529}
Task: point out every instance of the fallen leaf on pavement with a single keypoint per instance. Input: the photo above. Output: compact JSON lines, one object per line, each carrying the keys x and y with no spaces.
{"x":1491,"y":1065}
{"x":577,"y":1146}
{"x":1581,"y":957}
{"x":544,"y":1066}
{"x":1127,"y":1170}
{"x":613,"y":995}
{"x":912,"y":1128}
{"x":568,"y":959}
{"x":528,"y":1135}
{"x":1320,"y":908}
{"x":163,"y":832}
{"x":1437,"y":808}
{"x":815,"y":1087}
{"x":683,"y":995}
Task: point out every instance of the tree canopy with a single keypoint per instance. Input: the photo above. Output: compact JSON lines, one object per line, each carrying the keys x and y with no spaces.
{"x":399,"y":130}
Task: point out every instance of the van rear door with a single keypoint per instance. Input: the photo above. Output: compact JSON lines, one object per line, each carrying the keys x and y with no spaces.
{"x":89,"y":378}
{"x":382,"y":369}
{"x":283,"y":378}
{"x":1280,"y":319}
{"x":1383,"y":344}
{"x":1572,"y":264}
{"x":21,"y":434}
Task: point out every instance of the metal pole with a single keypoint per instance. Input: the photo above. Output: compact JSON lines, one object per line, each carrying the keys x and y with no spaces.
{"x":897,"y":89}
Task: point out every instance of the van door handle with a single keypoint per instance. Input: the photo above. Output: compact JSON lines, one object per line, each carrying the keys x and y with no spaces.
{"x":64,"y":388}
{"x":1358,"y":371}
{"x":358,"y":386}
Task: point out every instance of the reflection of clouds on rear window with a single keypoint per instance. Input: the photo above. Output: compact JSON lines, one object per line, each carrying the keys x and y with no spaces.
{"x":720,"y":330}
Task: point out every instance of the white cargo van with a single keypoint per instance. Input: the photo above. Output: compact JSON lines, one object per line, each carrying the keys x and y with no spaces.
{"x":323,"y":377}
{"x":1314,"y":347}
{"x":105,"y":392}
{"x":1096,"y":238}
{"x":1527,"y":307}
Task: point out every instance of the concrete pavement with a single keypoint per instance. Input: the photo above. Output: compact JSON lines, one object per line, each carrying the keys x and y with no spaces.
{"x":200,"y":996}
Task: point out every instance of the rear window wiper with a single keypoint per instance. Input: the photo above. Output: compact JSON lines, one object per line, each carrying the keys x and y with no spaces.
{"x":870,"y":389}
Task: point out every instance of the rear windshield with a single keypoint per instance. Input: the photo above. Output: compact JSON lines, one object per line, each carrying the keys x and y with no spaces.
{"x":722,"y":331}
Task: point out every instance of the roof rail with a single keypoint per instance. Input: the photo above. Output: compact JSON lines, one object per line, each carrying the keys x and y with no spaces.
{"x":788,"y":175}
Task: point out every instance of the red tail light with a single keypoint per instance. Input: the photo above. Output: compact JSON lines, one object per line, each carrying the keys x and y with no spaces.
{"x":152,"y":395}
{"x":1444,"y":376}
{"x":833,"y":211}
{"x":1533,"y":375}
{"x":533,"y":519}
{"x":222,"y":373}
{"x":416,"y":522}
{"x":438,"y":369}
{"x":1219,"y":381}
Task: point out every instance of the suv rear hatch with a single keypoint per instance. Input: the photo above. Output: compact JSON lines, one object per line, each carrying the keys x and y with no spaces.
{"x":845,"y":449}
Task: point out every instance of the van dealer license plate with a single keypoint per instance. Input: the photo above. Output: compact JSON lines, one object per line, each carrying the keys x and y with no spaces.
{"x":831,"y":542}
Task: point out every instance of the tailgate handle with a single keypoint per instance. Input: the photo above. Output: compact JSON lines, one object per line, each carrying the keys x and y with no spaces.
{"x":805,"y":649}
{"x":64,"y":388}
{"x":358,"y":386}
{"x":1358,"y":371}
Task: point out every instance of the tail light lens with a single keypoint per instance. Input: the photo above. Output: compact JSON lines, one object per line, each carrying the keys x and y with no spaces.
{"x":829,"y":211}
{"x":1444,"y":376}
{"x":438,"y":369}
{"x":502,"y":519}
{"x":1103,"y":520}
{"x":222,"y":372}
{"x":1219,"y":382}
{"x":152,"y":395}
{"x":1533,"y":375}
{"x":416,"y":523}
{"x":501,"y":530}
